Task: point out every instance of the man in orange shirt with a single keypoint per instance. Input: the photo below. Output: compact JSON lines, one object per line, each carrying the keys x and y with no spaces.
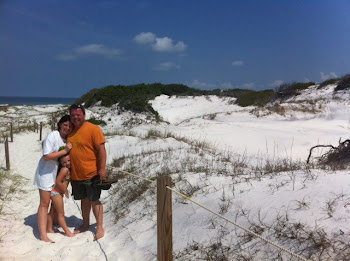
{"x":88,"y":160}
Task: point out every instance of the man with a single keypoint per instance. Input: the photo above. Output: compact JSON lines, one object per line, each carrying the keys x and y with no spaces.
{"x":88,"y":160}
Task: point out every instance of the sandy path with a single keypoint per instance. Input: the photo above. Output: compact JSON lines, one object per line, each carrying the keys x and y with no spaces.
{"x":18,"y":228}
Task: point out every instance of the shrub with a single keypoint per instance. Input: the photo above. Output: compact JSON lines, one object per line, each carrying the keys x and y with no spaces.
{"x":344,"y":83}
{"x":288,"y":90}
{"x":328,"y":82}
{"x":259,"y":98}
{"x":136,"y":97}
{"x":97,"y":122}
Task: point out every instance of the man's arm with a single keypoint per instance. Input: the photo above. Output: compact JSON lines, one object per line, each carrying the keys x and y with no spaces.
{"x":101,"y":160}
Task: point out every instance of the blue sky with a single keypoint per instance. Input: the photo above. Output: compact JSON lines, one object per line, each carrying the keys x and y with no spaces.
{"x":61,"y":48}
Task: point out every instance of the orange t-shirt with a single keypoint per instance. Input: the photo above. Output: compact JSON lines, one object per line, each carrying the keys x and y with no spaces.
{"x":83,"y":155}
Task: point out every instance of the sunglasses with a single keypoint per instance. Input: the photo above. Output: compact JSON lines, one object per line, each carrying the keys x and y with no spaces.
{"x":77,"y":106}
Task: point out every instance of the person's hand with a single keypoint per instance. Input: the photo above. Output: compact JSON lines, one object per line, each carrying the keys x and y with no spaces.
{"x":66,"y":194}
{"x":68,"y":147}
{"x":102,"y":173}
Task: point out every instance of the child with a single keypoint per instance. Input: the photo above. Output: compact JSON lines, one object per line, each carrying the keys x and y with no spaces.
{"x":57,"y":192}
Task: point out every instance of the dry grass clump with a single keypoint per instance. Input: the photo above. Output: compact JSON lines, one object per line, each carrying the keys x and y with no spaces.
{"x":289,"y":108}
{"x":312,"y":243}
{"x":9,"y":184}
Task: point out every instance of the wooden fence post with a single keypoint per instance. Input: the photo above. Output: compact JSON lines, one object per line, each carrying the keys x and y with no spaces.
{"x":7,"y":155}
{"x":164,"y":219}
{"x":11,"y":132}
{"x":41,"y":130}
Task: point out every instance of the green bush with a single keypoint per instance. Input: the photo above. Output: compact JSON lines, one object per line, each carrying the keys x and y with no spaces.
{"x":97,"y":122}
{"x":259,"y":98}
{"x":4,"y":108}
{"x":344,"y":83}
{"x":328,"y":82}
{"x":288,"y":90}
{"x":134,"y":97}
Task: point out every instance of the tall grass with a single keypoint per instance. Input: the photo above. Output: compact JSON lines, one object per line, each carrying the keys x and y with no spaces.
{"x":10,"y":183}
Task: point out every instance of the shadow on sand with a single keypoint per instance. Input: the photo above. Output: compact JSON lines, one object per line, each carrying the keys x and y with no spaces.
{"x":72,"y":221}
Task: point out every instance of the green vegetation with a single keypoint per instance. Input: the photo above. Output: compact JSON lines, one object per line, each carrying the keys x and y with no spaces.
{"x":136,"y":97}
{"x":344,"y":83}
{"x":288,"y":90}
{"x":95,"y":121}
{"x":328,"y":82}
{"x":260,"y":98}
{"x":9,"y":184}
{"x":4,"y":108}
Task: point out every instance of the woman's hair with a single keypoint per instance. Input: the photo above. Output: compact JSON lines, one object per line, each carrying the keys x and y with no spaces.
{"x":62,"y":120}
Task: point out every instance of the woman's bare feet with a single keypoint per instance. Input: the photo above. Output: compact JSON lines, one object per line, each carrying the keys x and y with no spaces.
{"x":46,"y":239}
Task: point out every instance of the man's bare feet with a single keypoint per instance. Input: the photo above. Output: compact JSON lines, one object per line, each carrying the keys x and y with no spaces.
{"x":46,"y":239}
{"x":99,"y":234}
{"x":83,"y":228}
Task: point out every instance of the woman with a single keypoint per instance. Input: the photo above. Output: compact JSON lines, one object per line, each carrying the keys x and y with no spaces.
{"x":45,"y":176}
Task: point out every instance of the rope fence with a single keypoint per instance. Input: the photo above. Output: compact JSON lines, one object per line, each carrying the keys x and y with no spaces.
{"x":6,"y":141}
{"x":217,"y":214}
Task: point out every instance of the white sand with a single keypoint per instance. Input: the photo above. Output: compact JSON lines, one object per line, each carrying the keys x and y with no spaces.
{"x":233,"y":128}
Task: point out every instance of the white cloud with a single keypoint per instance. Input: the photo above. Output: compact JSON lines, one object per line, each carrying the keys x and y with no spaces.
{"x":166,"y":66}
{"x":226,"y":85}
{"x":306,"y":79}
{"x":65,"y":57}
{"x":145,"y":38}
{"x":326,"y":76}
{"x":277,"y":83}
{"x":89,"y":49}
{"x":250,"y":85}
{"x":98,"y":49}
{"x":237,"y":63}
{"x":203,"y":85}
{"x":160,"y":44}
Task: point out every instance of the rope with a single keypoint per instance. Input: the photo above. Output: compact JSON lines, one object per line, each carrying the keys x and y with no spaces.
{"x":137,"y":176}
{"x":223,"y":217}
